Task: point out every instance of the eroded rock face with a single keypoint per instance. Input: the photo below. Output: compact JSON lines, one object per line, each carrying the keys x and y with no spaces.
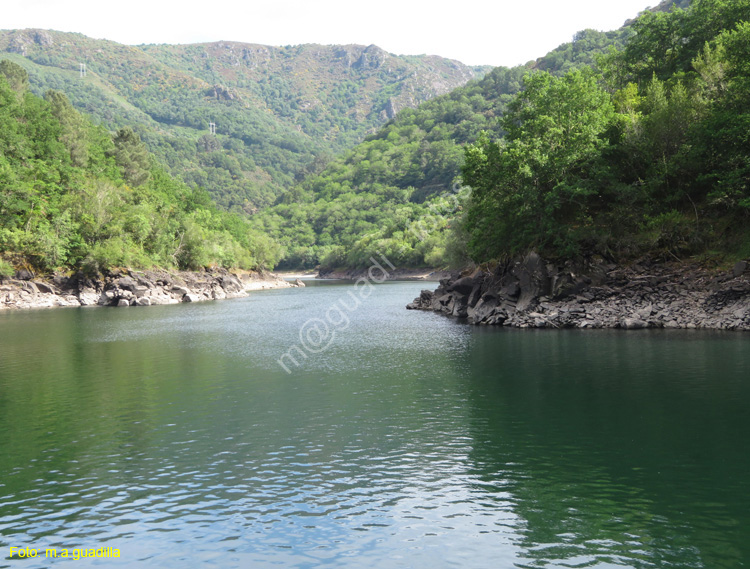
{"x":123,"y":288}
{"x":530,"y":293}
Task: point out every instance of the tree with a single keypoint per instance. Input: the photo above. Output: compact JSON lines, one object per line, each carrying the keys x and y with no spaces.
{"x":724,"y":137}
{"x":17,"y":77}
{"x":74,"y":127}
{"x":655,"y":47}
{"x":132,"y":157}
{"x":531,"y":188}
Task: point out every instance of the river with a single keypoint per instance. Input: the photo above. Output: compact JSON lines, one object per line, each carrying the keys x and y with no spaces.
{"x":183,"y":437}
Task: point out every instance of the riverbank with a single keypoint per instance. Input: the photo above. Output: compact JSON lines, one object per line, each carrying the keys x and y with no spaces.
{"x":125,"y":287}
{"x":294,"y":275}
{"x":531,"y":293}
{"x":397,"y":274}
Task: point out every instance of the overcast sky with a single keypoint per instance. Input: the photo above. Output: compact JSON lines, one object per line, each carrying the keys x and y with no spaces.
{"x":502,"y":32}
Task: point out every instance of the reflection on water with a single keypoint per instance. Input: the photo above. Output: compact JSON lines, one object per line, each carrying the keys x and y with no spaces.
{"x":172,"y":434}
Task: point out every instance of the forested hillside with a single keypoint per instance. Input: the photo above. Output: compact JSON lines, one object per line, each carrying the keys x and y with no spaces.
{"x":618,"y":143}
{"x":373,"y":196}
{"x":647,"y":153}
{"x":399,"y":190}
{"x":72,"y":196}
{"x":279,"y":111}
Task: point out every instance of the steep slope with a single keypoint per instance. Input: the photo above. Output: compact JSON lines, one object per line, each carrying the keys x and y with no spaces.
{"x":625,"y":180}
{"x":74,"y":197}
{"x":374,"y":195}
{"x":400,"y":188}
{"x":647,"y":156}
{"x":589,"y":44}
{"x":275,"y":109}
{"x":334,"y":92}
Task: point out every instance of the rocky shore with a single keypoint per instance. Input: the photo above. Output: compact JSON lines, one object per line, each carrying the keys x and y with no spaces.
{"x":532,"y":293}
{"x":126,"y":287}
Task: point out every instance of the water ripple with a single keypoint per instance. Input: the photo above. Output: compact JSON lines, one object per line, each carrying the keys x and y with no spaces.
{"x":172,"y":434}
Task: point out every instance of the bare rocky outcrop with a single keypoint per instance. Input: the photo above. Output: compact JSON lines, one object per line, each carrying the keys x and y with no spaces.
{"x":21,"y":40}
{"x":125,"y":287}
{"x":532,"y":293}
{"x":371,"y":57}
{"x":222,"y":93}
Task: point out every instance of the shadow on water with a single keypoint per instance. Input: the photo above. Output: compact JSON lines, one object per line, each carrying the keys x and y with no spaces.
{"x":618,"y":448}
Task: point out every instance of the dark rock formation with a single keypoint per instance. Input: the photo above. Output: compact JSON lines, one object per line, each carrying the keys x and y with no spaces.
{"x":529,"y":292}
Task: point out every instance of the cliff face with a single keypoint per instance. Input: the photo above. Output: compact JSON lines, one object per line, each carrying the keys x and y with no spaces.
{"x":531,"y":293}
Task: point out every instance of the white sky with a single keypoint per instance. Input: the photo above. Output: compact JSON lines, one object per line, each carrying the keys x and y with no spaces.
{"x":502,"y":32}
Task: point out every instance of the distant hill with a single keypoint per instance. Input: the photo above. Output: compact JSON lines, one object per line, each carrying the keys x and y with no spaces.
{"x":279,"y":111}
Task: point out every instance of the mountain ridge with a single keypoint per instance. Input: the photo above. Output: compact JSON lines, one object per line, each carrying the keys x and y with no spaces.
{"x":275,"y":108}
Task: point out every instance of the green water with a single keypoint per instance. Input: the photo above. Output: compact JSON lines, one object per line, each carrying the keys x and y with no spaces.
{"x":173,"y":434}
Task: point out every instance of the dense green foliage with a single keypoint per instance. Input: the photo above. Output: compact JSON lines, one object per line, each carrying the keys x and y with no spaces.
{"x":603,"y":145}
{"x":651,"y":154}
{"x":586,"y":47}
{"x":589,"y":45}
{"x":617,"y":143}
{"x":397,"y":191}
{"x":534,"y":183}
{"x":73,"y":196}
{"x":276,"y":110}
